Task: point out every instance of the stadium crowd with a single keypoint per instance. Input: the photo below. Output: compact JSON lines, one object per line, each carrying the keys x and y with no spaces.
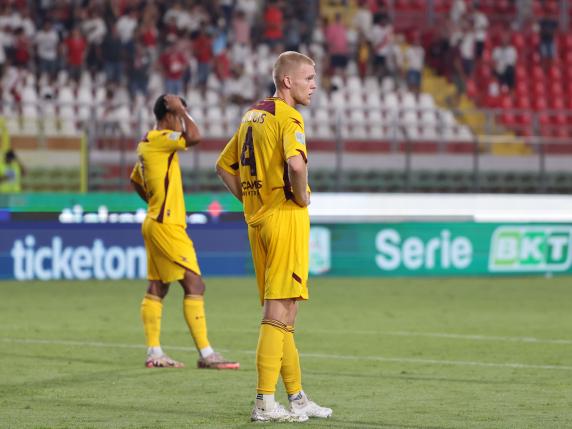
{"x":136,"y":47}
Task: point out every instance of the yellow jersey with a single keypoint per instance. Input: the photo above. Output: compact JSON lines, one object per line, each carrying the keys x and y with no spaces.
{"x":271,"y":131}
{"x":159,"y":173}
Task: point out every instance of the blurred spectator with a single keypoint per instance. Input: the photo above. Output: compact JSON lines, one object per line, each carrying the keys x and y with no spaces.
{"x":337,"y":41}
{"x":241,"y":28}
{"x":467,"y":47}
{"x":293,"y":34}
{"x":221,"y":66}
{"x":227,"y":8}
{"x":481,"y":24}
{"x":182,"y":18}
{"x":239,"y":88}
{"x":138,"y":70}
{"x":457,"y":11}
{"x":25,"y":22}
{"x":22,"y":48}
{"x":547,"y":26}
{"x":250,"y":9}
{"x":94,"y":29}
{"x":363,"y":55}
{"x":504,"y":58}
{"x":126,"y":26}
{"x":3,"y":40}
{"x":273,"y":23}
{"x":47,"y":42}
{"x":149,"y":36}
{"x":202,"y":48}
{"x":112,"y":56}
{"x":414,"y":59}
{"x":458,"y":76}
{"x":11,"y":172}
{"x":363,"y":19}
{"x":395,"y":58}
{"x":381,"y":40}
{"x":173,"y":65}
{"x":75,"y":47}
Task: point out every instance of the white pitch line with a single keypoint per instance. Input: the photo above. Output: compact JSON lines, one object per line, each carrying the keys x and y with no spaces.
{"x":430,"y":334}
{"x":306,"y":355}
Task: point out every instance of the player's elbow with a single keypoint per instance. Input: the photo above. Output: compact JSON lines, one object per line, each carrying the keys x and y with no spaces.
{"x":297,"y":165}
{"x":193,"y":139}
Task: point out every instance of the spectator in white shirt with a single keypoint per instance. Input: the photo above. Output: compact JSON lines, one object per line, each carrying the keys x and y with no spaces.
{"x":126,"y":26}
{"x":504,"y":59}
{"x":381,"y":40}
{"x":414,"y":58}
{"x":363,"y":19}
{"x":94,"y":30}
{"x":467,"y":47}
{"x":47,"y":42}
{"x":481,"y":24}
{"x":458,"y":10}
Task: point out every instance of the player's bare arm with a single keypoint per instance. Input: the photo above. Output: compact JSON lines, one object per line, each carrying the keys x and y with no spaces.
{"x":298,"y":174}
{"x":140,"y":191}
{"x":231,"y":182}
{"x":191,"y":132}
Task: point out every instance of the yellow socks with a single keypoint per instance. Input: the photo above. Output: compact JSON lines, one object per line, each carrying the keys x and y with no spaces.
{"x":290,"y":371}
{"x":151,"y":310}
{"x":194,"y":309}
{"x":269,"y":355}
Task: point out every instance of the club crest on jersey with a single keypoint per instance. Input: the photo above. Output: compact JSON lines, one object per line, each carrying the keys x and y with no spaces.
{"x":300,"y":137}
{"x":174,"y":136}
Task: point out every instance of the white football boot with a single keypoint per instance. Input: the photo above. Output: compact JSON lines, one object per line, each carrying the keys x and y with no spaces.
{"x":300,"y":404}
{"x":272,"y":411}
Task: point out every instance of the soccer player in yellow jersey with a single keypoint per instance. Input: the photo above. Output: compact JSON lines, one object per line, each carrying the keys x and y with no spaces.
{"x":264,"y":166}
{"x":170,"y":252}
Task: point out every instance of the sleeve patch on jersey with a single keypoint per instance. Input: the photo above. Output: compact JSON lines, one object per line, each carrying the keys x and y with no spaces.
{"x":300,"y":137}
{"x":174,"y":136}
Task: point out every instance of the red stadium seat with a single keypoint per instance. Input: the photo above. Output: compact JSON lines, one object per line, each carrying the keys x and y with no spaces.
{"x":556,"y":90}
{"x":523,"y":102}
{"x":539,"y":103}
{"x":538,"y":89}
{"x":518,"y":41}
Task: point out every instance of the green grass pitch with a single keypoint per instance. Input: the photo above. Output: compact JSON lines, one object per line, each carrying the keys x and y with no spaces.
{"x":392,"y":353}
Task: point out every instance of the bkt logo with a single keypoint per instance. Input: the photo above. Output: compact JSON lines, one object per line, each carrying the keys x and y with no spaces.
{"x":531,"y":248}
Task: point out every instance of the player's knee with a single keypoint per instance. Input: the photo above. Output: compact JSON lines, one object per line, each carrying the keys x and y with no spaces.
{"x":193,"y":284}
{"x":158,"y":288}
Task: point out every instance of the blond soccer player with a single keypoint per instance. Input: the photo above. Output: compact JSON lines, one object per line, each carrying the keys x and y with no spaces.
{"x":170,"y":252}
{"x":264,"y":166}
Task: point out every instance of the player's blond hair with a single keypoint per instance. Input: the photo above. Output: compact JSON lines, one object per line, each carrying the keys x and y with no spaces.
{"x":287,"y":63}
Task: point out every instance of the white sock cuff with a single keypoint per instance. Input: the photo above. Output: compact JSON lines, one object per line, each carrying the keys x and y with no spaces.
{"x":207,"y":351}
{"x":155,"y":351}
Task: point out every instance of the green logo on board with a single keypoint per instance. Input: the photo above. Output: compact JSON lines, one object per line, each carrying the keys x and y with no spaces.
{"x":531,"y":248}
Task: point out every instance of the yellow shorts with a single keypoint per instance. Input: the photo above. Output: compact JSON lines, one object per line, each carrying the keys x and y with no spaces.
{"x":170,"y":251}
{"x":280,"y":251}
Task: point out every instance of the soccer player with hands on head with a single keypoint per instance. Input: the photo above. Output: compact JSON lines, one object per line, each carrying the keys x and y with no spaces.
{"x":264,"y":165}
{"x":170,"y":252}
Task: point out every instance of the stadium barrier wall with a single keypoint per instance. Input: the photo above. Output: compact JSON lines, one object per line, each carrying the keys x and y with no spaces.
{"x":50,"y":250}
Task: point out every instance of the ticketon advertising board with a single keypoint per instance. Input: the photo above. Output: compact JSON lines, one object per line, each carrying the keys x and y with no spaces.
{"x":56,"y":251}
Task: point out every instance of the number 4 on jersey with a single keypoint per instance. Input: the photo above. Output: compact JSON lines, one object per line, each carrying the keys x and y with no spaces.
{"x":247,"y":155}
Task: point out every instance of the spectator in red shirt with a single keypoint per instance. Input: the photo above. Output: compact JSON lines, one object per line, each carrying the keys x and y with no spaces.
{"x":203,"y":50}
{"x":21,"y":48}
{"x":173,"y":64}
{"x":75,"y":46}
{"x":273,"y":24}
